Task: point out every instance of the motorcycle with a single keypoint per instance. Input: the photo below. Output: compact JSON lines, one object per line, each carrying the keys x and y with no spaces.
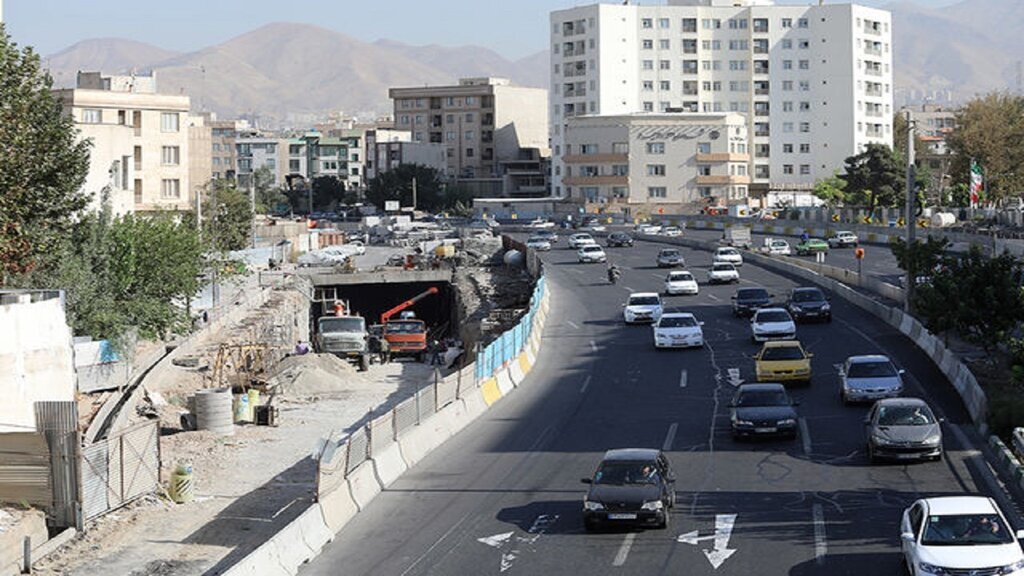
{"x":613,"y":275}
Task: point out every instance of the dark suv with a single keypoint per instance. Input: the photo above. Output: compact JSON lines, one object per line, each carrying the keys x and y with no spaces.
{"x":746,"y":301}
{"x":619,"y":239}
{"x":632,"y":486}
{"x":808,"y":303}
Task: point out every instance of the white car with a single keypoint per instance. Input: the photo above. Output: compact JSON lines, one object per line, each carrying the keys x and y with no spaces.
{"x":595,"y":227}
{"x":728,"y":254}
{"x":772,"y":324}
{"x":642,"y":307}
{"x":672,"y":231}
{"x":538,"y":243}
{"x":678,"y":330}
{"x":775,"y":247}
{"x":965,"y":535}
{"x":681,"y":282}
{"x":843,"y":239}
{"x":578,"y":240}
{"x":357,"y":247}
{"x":590,"y":253}
{"x":647,"y":229}
{"x":541,"y":223}
{"x":723,"y":272}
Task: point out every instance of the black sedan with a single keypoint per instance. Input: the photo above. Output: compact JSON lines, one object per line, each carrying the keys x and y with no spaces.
{"x":748,"y":300}
{"x":763,"y":410}
{"x":619,"y":239}
{"x":632,"y":486}
{"x":809,"y":303}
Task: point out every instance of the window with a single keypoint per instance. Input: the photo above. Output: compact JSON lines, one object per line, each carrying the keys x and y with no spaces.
{"x":450,"y":136}
{"x":666,"y":85}
{"x":787,"y":85}
{"x":805,"y":148}
{"x":656,"y":192}
{"x":737,"y":64}
{"x":170,"y":188}
{"x":647,"y":23}
{"x":805,"y":106}
{"x":738,"y":23}
{"x":469,"y":153}
{"x":647,"y":44}
{"x":655,"y":147}
{"x":804,"y":43}
{"x":586,"y":149}
{"x":664,"y":65}
{"x":655,"y":169}
{"x":704,"y":170}
{"x":470,"y":100}
{"x":787,"y":148}
{"x":648,"y":106}
{"x":703,"y":147}
{"x":620,"y":170}
{"x":805,"y":127}
{"x":802,"y":23}
{"x":470,"y":135}
{"x":805,"y":85}
{"x":647,"y":85}
{"x":170,"y":155}
{"x":711,"y":23}
{"x":739,"y":86}
{"x":169,"y":122}
{"x":787,"y":64}
{"x":787,"y":106}
{"x":787,"y":126}
{"x":689,"y":24}
{"x":787,"y":44}
{"x":805,"y":64}
{"x":470,"y":117}
{"x":92,"y":116}
{"x":293,"y":165}
{"x":647,"y":65}
{"x":739,"y":44}
{"x":805,"y":169}
{"x":787,"y":22}
{"x":664,"y":44}
{"x":787,"y":168}
{"x":664,"y":23}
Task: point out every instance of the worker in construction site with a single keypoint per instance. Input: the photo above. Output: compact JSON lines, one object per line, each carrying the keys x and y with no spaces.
{"x":436,"y":351}
{"x":385,"y":351}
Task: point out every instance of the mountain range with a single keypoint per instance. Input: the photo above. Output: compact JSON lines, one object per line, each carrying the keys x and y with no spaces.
{"x":295,"y":73}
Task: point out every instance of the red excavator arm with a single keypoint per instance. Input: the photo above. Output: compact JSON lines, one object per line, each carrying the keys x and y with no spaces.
{"x":385,"y":316}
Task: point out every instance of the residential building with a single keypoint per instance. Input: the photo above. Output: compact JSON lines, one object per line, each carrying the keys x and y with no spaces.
{"x":253,"y":152}
{"x":126,"y":118}
{"x":375,"y":160}
{"x":648,"y":164}
{"x":224,"y":156}
{"x":200,"y":161}
{"x":481,"y":122}
{"x":390,"y":155}
{"x":813,"y":82}
{"x":933,"y":124}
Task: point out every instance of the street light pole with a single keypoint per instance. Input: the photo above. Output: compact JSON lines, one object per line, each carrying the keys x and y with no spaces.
{"x":910,"y":217}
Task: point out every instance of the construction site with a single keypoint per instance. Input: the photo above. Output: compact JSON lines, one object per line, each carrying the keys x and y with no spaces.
{"x":301,"y":354}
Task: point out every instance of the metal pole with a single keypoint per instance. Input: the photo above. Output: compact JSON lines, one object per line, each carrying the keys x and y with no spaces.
{"x":252,"y":206}
{"x":910,"y":216}
{"x":414,"y":194}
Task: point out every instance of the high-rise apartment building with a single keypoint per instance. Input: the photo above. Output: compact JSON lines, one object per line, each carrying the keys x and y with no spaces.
{"x":482,"y":122}
{"x":813,"y":82}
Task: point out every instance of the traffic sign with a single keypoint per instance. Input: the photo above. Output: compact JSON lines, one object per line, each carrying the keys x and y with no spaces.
{"x":661,"y":210}
{"x":901,"y":222}
{"x":866,"y":219}
{"x":923,"y":223}
{"x":835,"y":217}
{"x":859,"y":253}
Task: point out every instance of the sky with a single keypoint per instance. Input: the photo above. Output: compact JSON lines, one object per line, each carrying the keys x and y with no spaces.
{"x":514,"y":29}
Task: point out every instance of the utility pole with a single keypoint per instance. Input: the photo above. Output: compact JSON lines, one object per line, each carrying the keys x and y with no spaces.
{"x":414,"y":195}
{"x":252,"y":207}
{"x":910,"y":217}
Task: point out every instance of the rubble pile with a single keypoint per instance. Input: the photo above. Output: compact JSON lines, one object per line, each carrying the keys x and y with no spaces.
{"x":316,"y":374}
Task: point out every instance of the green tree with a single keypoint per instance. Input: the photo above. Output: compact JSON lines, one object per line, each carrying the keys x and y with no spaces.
{"x":43,"y":164}
{"x":990,"y":129}
{"x":328,"y":192}
{"x":227,"y":216}
{"x":960,"y":195}
{"x":269,"y":197}
{"x":397,"y":185}
{"x":874,"y":178}
{"x":831,"y":190}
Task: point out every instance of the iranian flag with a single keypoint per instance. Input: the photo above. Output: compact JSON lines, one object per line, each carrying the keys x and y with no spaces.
{"x":977,"y":183}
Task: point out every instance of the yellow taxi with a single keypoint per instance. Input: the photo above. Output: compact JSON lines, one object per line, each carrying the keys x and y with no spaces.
{"x":783,"y":361}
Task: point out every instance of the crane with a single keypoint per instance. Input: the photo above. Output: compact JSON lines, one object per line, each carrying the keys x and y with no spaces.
{"x":387,"y":315}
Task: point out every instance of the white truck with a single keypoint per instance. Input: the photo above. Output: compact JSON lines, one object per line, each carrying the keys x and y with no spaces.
{"x":345,"y":337}
{"x":737,"y":237}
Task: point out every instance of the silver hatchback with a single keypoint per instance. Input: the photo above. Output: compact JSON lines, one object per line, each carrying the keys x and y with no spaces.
{"x":869,"y":378}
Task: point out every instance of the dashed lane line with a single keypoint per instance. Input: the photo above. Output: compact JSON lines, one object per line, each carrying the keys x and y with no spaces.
{"x":586,"y":382}
{"x":805,"y":436}
{"x":623,"y":553}
{"x":820,"y":543}
{"x":670,"y":437}
{"x":572,"y":324}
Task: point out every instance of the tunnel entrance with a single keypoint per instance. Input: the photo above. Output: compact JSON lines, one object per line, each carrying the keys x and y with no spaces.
{"x":438,"y":311}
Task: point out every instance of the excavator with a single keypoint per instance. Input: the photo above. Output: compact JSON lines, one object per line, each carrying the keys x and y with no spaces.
{"x":406,"y":335}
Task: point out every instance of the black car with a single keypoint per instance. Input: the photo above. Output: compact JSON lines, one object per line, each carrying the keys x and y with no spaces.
{"x":763,"y":410}
{"x":747,"y":300}
{"x":808,"y":303}
{"x":619,"y":239}
{"x":632,"y":486}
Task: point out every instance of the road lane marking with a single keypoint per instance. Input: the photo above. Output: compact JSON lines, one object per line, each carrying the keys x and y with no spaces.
{"x":805,"y":436}
{"x":593,"y":346}
{"x":586,"y":382}
{"x":670,"y":437}
{"x":682,"y":378}
{"x":627,"y":289}
{"x":574,"y":325}
{"x":820,"y":544}
{"x":713,"y":297}
{"x":435,"y":545}
{"x":627,"y":543}
{"x":723,"y":531}
{"x":658,"y":276}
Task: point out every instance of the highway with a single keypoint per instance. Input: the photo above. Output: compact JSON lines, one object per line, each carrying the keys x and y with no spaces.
{"x":504,"y":496}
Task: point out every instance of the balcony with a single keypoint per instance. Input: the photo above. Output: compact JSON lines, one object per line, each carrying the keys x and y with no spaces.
{"x":872,"y":51}
{"x":763,"y":132}
{"x":595,"y":158}
{"x":720,"y":180}
{"x":595,"y":180}
{"x":873,"y":92}
{"x":872,"y":30}
{"x":722,"y":157}
{"x":874,"y":113}
{"x":873,"y":72}
{"x":761,"y":91}
{"x":874,"y":133}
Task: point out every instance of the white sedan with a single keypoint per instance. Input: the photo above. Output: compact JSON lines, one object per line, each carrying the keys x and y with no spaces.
{"x":576,"y":241}
{"x":730,"y":255}
{"x":723,"y":272}
{"x":678,"y":330}
{"x":772,"y":324}
{"x":681,"y":282}
{"x":672,"y":232}
{"x":775,"y":247}
{"x":538,"y":243}
{"x":959,"y":535}
{"x":590,"y":253}
{"x":642,"y":307}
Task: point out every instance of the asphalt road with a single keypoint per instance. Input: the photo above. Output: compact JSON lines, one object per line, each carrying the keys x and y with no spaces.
{"x":504,"y":495}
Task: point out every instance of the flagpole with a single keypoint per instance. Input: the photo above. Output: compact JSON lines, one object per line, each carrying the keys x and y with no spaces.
{"x":911,"y":217}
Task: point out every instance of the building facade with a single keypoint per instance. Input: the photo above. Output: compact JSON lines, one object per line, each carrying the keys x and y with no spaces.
{"x":132,"y":125}
{"x":813,"y":82}
{"x":648,"y":164}
{"x":933,"y":125}
{"x":481,"y":122}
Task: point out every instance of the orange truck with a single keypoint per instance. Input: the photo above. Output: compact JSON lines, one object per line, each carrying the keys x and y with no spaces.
{"x":406,"y":336}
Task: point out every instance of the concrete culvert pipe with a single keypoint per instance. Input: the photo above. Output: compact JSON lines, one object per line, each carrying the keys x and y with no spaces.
{"x":213,"y":411}
{"x":514,"y":258}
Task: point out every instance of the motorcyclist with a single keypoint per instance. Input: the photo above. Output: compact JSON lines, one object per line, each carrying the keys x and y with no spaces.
{"x":613,"y":273}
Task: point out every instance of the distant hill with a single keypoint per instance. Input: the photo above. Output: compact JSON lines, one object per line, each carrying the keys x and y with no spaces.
{"x":102,"y":54}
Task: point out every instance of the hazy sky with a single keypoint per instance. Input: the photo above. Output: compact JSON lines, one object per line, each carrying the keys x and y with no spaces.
{"x":512,"y":28}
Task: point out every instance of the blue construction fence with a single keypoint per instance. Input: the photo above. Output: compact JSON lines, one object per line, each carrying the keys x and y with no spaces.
{"x":508,"y":346}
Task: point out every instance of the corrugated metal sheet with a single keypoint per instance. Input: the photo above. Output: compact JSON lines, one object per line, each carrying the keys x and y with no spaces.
{"x":140,"y":457}
{"x":121,"y":468}
{"x":25,"y":469}
{"x":58,"y":421}
{"x":94,"y":480}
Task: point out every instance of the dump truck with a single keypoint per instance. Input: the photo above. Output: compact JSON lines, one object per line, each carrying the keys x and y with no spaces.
{"x":406,"y":335}
{"x":345,"y":336}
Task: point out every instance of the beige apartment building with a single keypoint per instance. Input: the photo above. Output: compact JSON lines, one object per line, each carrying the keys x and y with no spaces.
{"x":141,"y":141}
{"x":648,"y":164}
{"x":481,"y":122}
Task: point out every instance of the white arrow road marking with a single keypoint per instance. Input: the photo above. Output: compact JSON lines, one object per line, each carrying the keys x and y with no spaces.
{"x":670,"y":437}
{"x":627,"y":289}
{"x":586,"y":382}
{"x":713,"y":297}
{"x":682,"y":379}
{"x":720,"y":552}
{"x":593,"y":346}
{"x":623,"y":553}
{"x":574,"y":325}
{"x":820,"y":544}
{"x":497,"y":540}
{"x":734,"y":376}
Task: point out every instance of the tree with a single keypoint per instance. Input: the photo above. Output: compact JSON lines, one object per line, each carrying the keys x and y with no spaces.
{"x":397,"y":185}
{"x":269,"y":197}
{"x":227,"y":216}
{"x":43,"y":164}
{"x":874,"y":178}
{"x":923,"y":257}
{"x":960,"y":195}
{"x":831,"y":190}
{"x":328,"y":192}
{"x":990,"y":129}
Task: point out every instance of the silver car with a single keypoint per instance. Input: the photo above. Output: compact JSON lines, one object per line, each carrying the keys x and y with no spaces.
{"x":869,"y":378}
{"x":903,"y":429}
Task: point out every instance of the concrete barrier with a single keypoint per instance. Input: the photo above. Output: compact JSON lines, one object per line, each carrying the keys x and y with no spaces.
{"x":490,"y":391}
{"x":505,"y":383}
{"x":297,"y":543}
{"x":364,"y":484}
{"x":474,"y":404}
{"x":515,"y":371}
{"x":389,"y":464}
{"x":524,"y":361}
{"x":418,"y":441}
{"x":338,"y":507}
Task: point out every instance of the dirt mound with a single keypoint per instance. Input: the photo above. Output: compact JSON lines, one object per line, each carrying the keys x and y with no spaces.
{"x":316,"y":374}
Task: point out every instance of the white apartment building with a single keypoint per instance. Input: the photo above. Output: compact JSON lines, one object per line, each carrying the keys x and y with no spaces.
{"x":649,"y":164}
{"x":140,"y":141}
{"x":813,"y":82}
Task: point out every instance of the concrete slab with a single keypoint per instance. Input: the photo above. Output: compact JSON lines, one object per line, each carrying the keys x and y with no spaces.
{"x":505,"y":383}
{"x":364,"y":484}
{"x":389,"y":464}
{"x":418,"y":441}
{"x":338,"y":507}
{"x":490,"y":391}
